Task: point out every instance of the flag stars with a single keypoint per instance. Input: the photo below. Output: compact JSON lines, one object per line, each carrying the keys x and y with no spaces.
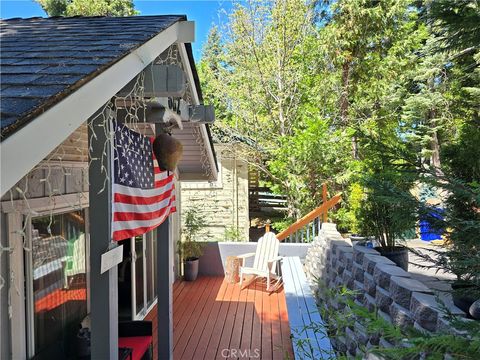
{"x":134,"y":160}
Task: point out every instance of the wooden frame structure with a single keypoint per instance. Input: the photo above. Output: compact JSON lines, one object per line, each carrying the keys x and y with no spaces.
{"x":313,"y":218}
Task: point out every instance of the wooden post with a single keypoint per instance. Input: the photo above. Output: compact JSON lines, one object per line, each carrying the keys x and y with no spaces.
{"x":103,"y":287}
{"x":164,"y":286}
{"x":324,"y":199}
{"x":232,"y":269}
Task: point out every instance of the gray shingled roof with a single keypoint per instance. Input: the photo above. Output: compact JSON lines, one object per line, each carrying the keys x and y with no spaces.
{"x":45,"y":59}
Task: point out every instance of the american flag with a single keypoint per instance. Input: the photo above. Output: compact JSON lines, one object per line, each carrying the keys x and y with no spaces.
{"x":143,"y":195}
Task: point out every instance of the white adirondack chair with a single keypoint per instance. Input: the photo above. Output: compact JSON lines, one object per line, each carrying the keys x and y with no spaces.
{"x":265,"y":261}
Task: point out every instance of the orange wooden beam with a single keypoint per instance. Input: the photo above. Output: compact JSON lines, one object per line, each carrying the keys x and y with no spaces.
{"x":319,"y":211}
{"x":324,"y":200}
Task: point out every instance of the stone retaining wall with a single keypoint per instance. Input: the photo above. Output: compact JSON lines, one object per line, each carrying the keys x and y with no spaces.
{"x":382,"y":287}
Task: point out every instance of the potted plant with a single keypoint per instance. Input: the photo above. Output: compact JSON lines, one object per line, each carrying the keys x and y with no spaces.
{"x":189,"y":249}
{"x":388,"y":209}
{"x":387,"y":220}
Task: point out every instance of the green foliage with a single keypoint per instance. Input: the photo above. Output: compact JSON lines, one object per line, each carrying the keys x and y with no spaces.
{"x":282,"y":224}
{"x":306,"y":159}
{"x":254,"y":71}
{"x":232,"y":233}
{"x":459,"y":218}
{"x":455,"y":23}
{"x":373,"y":97}
{"x":88,"y":7}
{"x":388,"y":208}
{"x":193,"y":225}
{"x":462,"y":155}
{"x":347,"y":217}
{"x":54,"y":7}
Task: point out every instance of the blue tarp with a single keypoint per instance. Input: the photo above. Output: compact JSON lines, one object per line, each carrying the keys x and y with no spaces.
{"x":427,"y":233}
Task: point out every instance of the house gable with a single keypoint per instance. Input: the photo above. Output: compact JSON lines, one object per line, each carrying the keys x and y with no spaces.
{"x":55,"y":117}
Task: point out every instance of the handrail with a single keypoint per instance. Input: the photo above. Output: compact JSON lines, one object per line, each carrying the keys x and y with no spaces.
{"x":316,"y":213}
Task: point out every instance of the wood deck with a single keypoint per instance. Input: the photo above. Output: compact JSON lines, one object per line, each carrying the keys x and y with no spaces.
{"x":215,"y":320}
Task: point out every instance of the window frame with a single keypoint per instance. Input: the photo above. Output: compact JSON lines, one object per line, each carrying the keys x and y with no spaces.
{"x":28,"y":273}
{"x":147,"y":307}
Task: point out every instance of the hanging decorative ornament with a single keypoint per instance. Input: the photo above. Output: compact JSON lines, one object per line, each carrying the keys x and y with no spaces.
{"x":168,"y":151}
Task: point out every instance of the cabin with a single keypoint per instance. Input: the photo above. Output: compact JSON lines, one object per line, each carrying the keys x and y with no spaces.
{"x":63,"y":81}
{"x":79,"y":96}
{"x":222,"y":204}
{"x":234,"y":207}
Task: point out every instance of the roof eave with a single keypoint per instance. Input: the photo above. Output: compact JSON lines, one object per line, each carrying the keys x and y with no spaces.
{"x":193,"y":79}
{"x":79,"y":106}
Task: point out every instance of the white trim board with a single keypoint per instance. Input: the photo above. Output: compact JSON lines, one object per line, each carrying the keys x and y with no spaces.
{"x":40,"y":205}
{"x":27,"y":147}
{"x":16,"y":292}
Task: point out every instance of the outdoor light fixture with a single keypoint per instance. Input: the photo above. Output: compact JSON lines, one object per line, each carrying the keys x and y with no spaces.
{"x":164,"y":87}
{"x":202,"y":114}
{"x":179,"y":110}
{"x":168,"y":110}
{"x":158,"y":112}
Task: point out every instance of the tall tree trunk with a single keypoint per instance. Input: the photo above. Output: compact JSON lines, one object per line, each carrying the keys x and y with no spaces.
{"x":435,"y":151}
{"x":281,"y":116}
{"x":435,"y":144}
{"x":345,"y":104}
{"x":355,"y":147}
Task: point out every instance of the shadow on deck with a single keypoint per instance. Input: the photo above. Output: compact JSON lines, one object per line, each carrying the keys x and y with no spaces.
{"x":215,"y":320}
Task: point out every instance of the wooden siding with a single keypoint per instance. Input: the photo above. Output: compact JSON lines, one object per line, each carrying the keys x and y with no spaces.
{"x":213,"y":319}
{"x":224,"y":203}
{"x":74,"y":148}
{"x":63,"y":171}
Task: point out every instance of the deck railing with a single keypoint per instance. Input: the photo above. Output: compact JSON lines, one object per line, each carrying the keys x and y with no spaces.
{"x":305,"y":229}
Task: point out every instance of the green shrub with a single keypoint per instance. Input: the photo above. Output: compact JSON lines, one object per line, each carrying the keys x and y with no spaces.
{"x":194,"y":223}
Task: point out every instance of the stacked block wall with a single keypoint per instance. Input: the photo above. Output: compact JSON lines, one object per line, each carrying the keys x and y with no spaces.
{"x":380,"y":286}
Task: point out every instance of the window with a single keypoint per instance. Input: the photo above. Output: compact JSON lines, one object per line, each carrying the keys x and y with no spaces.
{"x":57,"y":282}
{"x":139,"y":258}
{"x":151,"y":257}
{"x":137,"y":276}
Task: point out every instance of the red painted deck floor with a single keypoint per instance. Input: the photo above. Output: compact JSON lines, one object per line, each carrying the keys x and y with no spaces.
{"x":213,"y":319}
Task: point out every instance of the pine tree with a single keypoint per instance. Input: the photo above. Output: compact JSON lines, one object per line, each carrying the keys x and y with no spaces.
{"x":88,"y":7}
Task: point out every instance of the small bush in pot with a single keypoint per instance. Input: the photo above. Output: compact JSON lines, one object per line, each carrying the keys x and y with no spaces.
{"x":189,"y":249}
{"x":388,"y":209}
